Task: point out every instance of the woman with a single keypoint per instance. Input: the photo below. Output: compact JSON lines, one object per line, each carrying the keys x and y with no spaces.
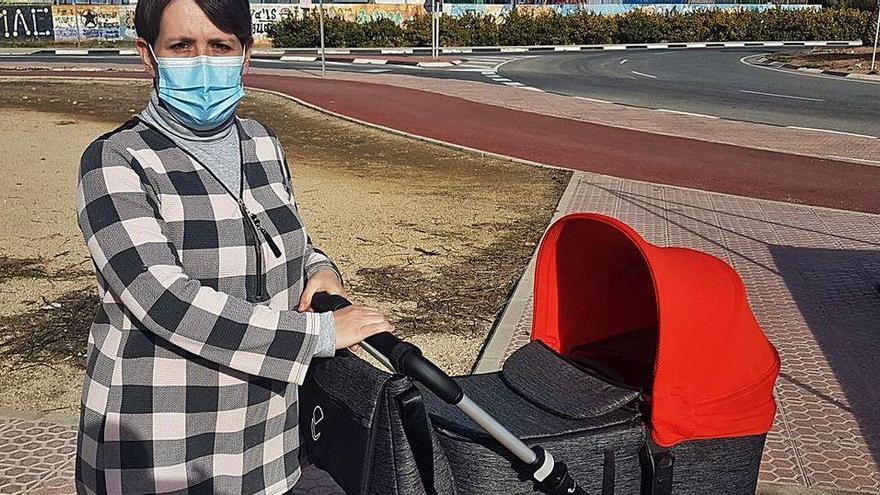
{"x":205,"y":275}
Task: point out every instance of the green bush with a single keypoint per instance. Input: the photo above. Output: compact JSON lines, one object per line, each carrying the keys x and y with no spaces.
{"x":382,"y":32}
{"x":527,"y":27}
{"x":641,"y":26}
{"x":417,"y":31}
{"x":588,"y":28}
{"x":471,"y":29}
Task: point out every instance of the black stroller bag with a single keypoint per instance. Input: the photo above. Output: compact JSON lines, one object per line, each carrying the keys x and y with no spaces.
{"x":591,"y":420}
{"x":545,"y":400}
{"x":368,"y":429}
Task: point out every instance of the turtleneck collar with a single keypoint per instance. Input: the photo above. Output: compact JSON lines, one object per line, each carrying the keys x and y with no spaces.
{"x":156,"y":114}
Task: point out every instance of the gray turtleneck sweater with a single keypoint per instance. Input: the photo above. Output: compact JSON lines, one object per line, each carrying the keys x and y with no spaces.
{"x":219,"y":150}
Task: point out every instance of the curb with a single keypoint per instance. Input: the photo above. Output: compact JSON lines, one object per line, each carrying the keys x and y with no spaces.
{"x":557,"y":48}
{"x":762,"y":61}
{"x":354,"y":60}
{"x":491,"y":356}
{"x":281,"y":52}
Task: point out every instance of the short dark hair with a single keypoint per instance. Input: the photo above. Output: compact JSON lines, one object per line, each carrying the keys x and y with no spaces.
{"x":230,"y":16}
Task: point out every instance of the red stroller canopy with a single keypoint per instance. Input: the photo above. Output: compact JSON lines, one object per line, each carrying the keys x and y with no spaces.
{"x":673,"y":321}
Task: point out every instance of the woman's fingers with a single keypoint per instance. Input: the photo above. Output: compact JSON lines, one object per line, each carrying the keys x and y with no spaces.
{"x":377,"y":327}
{"x":355,"y":323}
{"x":305,"y":301}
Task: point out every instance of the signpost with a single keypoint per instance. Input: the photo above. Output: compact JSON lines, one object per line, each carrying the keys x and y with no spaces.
{"x":435,"y":7}
{"x":321,"y":27}
{"x":876,"y":33}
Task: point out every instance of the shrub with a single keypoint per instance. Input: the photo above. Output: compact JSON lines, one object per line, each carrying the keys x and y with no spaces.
{"x":547,"y":27}
{"x":642,"y":26}
{"x":588,"y":28}
{"x":470,"y":29}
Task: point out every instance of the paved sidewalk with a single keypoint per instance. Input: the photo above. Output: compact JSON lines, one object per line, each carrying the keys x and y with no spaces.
{"x":813,"y":278}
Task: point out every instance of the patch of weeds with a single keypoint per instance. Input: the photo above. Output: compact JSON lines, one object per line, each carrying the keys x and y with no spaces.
{"x":49,"y":333}
{"x":20,"y":268}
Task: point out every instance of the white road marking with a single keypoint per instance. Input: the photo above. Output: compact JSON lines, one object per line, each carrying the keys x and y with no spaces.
{"x":779,"y":95}
{"x":859,"y":160}
{"x":679,"y":112}
{"x":594,"y":100}
{"x":623,"y":61}
{"x":801,"y":73}
{"x":377,"y":71}
{"x":831,"y":132}
{"x":643,"y":74}
{"x":501,"y":79}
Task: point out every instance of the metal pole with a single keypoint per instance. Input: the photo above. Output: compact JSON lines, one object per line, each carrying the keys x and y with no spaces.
{"x":433,"y":28}
{"x":876,"y":33}
{"x":321,"y":22}
{"x":76,"y":15}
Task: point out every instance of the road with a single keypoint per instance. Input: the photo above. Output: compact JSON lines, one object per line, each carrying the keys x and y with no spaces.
{"x":709,"y":82}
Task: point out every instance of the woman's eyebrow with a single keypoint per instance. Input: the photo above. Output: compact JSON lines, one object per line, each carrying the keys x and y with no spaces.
{"x":181,"y":40}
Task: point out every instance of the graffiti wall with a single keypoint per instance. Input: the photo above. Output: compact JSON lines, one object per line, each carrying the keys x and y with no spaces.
{"x":20,"y":22}
{"x":456,"y":10}
{"x":94,"y":22}
{"x":262,"y":15}
{"x":369,"y":12}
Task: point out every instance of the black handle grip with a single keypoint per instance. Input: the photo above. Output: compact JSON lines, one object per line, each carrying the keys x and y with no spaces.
{"x":404,"y":357}
{"x":323,"y":302}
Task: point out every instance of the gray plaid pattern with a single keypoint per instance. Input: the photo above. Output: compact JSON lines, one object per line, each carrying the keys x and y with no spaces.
{"x":191,"y":382}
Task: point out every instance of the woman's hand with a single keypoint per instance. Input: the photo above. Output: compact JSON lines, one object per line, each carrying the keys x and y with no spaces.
{"x":324,"y":280}
{"x":355,"y":323}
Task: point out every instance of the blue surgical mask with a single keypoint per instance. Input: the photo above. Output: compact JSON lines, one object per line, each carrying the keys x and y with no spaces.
{"x":201,"y":92}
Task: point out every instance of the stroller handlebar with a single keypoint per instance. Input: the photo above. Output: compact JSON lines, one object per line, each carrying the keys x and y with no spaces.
{"x":402,"y":357}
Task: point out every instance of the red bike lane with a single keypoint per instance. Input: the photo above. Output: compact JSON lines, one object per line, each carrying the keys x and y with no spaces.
{"x":577,"y":145}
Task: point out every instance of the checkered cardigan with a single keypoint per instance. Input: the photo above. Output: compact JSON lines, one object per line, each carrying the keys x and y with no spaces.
{"x":196,"y":349}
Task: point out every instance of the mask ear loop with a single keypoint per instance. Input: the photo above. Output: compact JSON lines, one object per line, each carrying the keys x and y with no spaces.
{"x":155,"y":67}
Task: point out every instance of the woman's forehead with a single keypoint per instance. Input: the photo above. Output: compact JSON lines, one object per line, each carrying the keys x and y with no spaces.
{"x":183,"y":19}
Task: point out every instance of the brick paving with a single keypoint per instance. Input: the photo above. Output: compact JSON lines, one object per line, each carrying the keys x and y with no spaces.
{"x":813,"y":278}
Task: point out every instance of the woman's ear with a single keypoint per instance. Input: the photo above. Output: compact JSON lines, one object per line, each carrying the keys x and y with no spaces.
{"x":247,"y":58}
{"x":143,"y":48}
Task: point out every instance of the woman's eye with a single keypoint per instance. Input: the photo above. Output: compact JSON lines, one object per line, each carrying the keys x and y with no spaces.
{"x":180,"y":46}
{"x":222,"y":48}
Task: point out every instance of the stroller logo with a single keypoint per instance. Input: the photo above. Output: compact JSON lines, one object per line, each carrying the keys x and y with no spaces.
{"x":317,"y":417}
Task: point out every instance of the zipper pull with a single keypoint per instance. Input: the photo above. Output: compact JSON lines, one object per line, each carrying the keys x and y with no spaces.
{"x":256,"y":221}
{"x":274,"y":247}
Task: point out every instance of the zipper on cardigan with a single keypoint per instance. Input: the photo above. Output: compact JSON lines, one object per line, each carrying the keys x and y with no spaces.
{"x":274,"y":247}
{"x":260,"y":294}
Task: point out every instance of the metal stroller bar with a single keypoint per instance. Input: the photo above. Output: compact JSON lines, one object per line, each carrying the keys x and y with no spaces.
{"x":406,"y":359}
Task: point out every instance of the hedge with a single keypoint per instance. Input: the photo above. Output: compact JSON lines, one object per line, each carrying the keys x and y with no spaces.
{"x":523,"y":27}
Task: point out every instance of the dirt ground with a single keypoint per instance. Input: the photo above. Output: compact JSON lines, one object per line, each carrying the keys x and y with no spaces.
{"x":854,"y":60}
{"x":435,"y":237}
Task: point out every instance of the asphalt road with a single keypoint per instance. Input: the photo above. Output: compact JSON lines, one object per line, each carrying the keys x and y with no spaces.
{"x":708,"y":82}
{"x":263,"y":64}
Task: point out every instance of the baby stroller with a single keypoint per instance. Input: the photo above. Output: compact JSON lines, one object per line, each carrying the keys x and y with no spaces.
{"x":647,"y":373}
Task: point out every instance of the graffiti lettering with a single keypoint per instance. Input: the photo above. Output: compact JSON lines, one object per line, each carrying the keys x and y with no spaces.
{"x":20,"y":21}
